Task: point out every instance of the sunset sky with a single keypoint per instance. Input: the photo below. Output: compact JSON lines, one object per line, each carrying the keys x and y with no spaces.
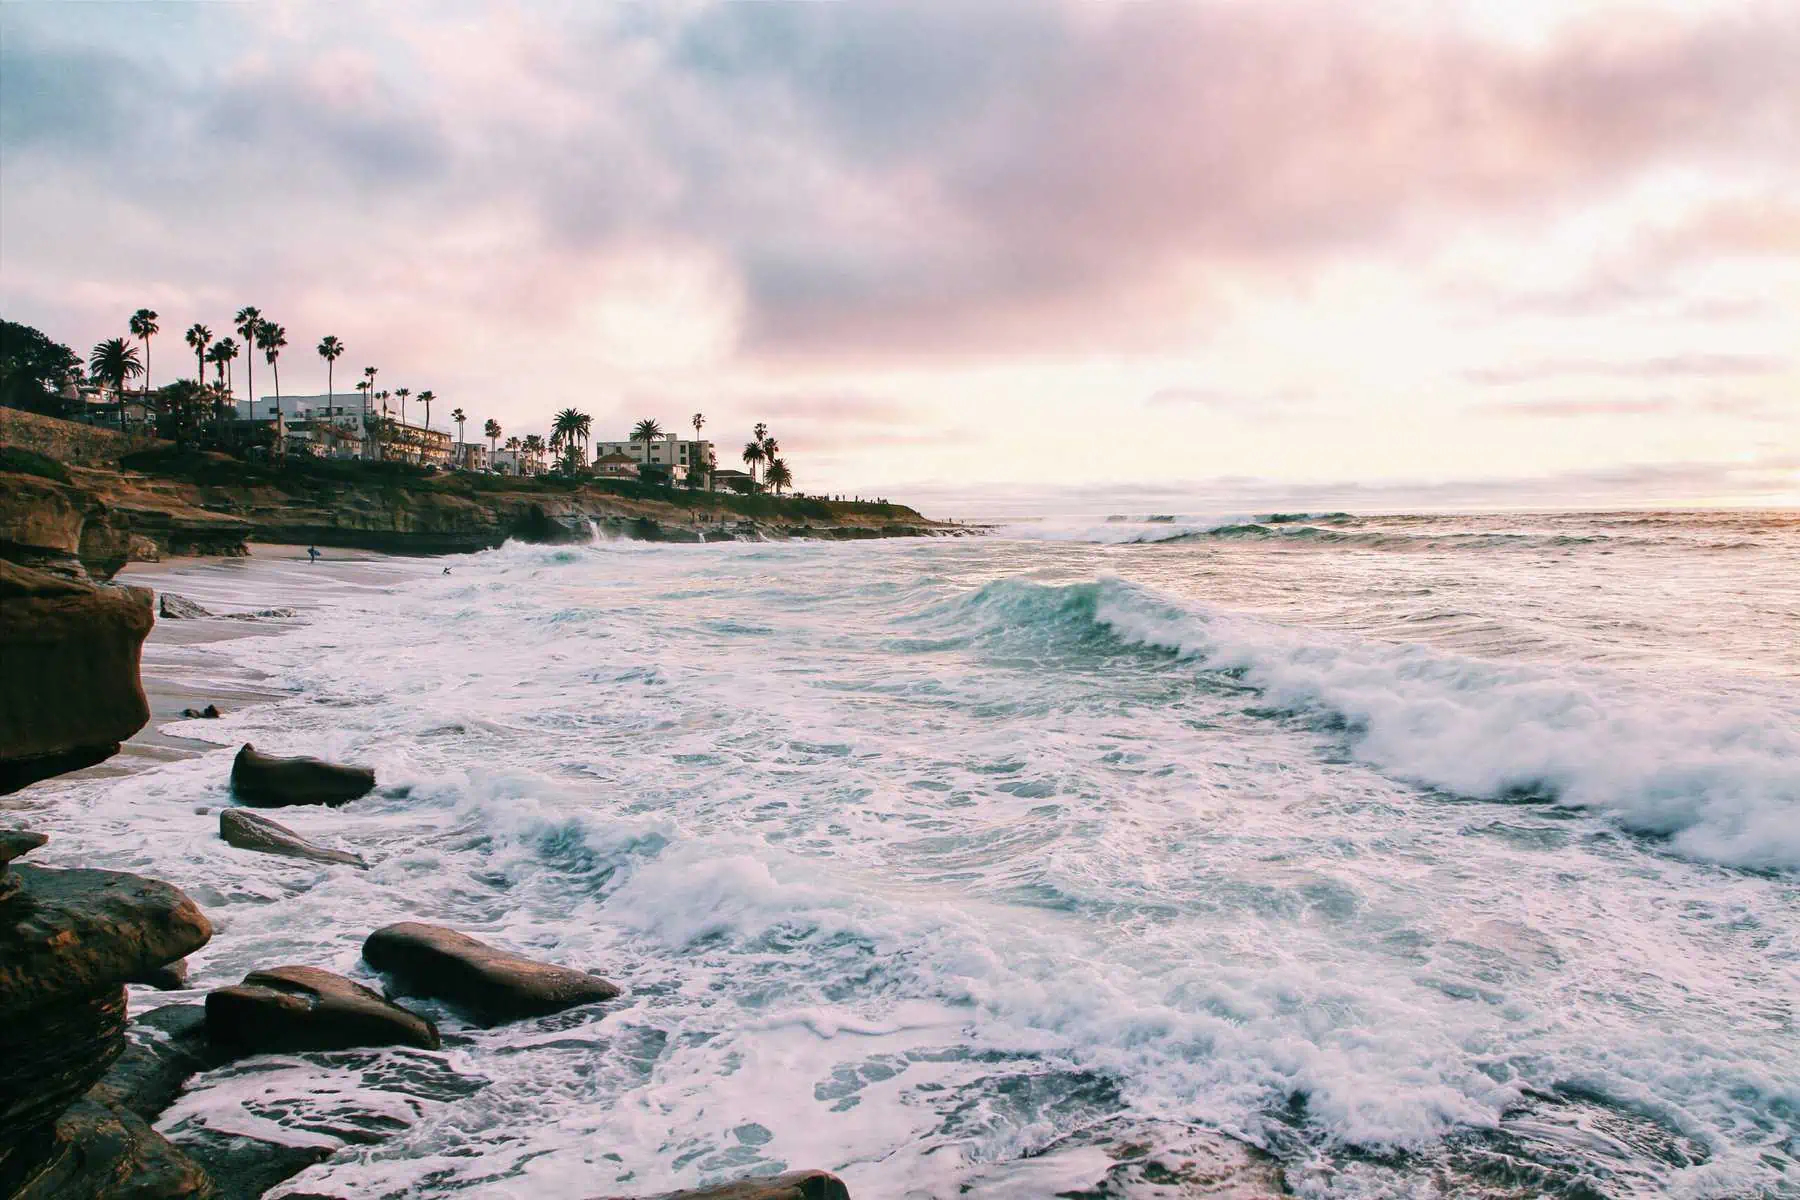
{"x":1508,"y":253}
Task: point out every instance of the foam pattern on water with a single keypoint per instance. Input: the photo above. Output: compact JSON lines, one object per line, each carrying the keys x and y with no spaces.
{"x":917,"y":858}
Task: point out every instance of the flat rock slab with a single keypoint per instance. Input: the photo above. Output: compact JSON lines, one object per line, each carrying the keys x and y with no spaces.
{"x":167,"y":1046}
{"x":305,"y":1008}
{"x":251,"y":831}
{"x":17,"y":842}
{"x":491,"y":985}
{"x":265,"y":781}
{"x":1128,"y":1159}
{"x":179,"y":608}
{"x":795,"y":1185}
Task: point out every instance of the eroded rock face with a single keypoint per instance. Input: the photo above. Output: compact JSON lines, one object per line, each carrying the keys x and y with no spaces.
{"x":68,"y":942}
{"x":98,"y":1151}
{"x":305,"y":1008}
{"x":266,"y":781}
{"x":70,"y":691}
{"x":795,"y":1185}
{"x":490,"y":985}
{"x":251,"y":831}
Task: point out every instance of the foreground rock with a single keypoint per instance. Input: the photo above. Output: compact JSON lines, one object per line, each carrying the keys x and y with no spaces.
{"x":305,"y":1008}
{"x":69,"y":940}
{"x":795,"y":1185}
{"x":101,"y":1152}
{"x":69,"y":693}
{"x":251,"y":831}
{"x":13,"y":843}
{"x":266,"y":781}
{"x":489,"y":984}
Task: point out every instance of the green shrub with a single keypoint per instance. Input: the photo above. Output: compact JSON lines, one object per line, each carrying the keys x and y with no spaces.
{"x":30,"y":462}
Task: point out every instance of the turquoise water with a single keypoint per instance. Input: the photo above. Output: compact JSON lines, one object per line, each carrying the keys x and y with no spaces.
{"x":1400,"y":847}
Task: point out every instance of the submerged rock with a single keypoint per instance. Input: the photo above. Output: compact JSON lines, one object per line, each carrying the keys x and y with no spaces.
{"x":1127,"y":1159}
{"x":69,"y":693}
{"x":795,"y":1185}
{"x":252,"y":831}
{"x":209,"y":713}
{"x":13,"y":843}
{"x":69,"y":941}
{"x":266,"y":781}
{"x":166,"y":1047}
{"x":305,"y":1008}
{"x":170,"y":977}
{"x":491,"y":985}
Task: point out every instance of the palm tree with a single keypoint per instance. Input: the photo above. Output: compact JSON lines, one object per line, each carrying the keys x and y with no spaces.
{"x":270,"y":338}
{"x":218,"y":358}
{"x":459,"y":416}
{"x":330,"y":349}
{"x":565,"y":430}
{"x":113,"y":361}
{"x":197,"y":336}
{"x":534,"y":449}
{"x":492,"y":430}
{"x":646,"y":431}
{"x":144,"y":326}
{"x":753,"y":454}
{"x":369,"y":377}
{"x":425,"y":398}
{"x":248,"y":320}
{"x":778,"y":475}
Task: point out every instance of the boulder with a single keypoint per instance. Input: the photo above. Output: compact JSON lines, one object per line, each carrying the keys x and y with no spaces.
{"x":69,"y":940}
{"x":171,"y":607}
{"x":266,"y":781}
{"x":795,"y":1185}
{"x":209,"y":713}
{"x":251,"y":831}
{"x":305,"y":1008}
{"x":70,"y":691}
{"x":491,"y":985}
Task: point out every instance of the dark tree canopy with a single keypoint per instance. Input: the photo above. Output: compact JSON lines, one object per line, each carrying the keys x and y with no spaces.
{"x":33,"y":369}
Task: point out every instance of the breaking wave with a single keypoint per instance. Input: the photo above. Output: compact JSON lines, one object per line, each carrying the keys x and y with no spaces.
{"x":1715,"y":771}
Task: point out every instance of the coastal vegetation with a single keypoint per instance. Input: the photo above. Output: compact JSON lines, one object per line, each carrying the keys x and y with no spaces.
{"x":39,"y":374}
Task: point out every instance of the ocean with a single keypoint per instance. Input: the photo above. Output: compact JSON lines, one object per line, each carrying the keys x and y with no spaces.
{"x":1435,"y":855}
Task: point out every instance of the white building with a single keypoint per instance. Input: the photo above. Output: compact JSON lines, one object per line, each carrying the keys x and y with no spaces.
{"x":677,"y":455}
{"x":337,"y":426}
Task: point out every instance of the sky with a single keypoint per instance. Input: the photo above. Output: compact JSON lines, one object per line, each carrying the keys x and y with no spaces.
{"x":1526,"y":253}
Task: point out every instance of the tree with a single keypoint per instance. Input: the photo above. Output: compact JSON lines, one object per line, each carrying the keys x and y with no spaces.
{"x":459,"y":416}
{"x":270,"y":338}
{"x":248,"y":321}
{"x":425,"y":398}
{"x":144,"y":327}
{"x":778,"y":476}
{"x":369,"y":378}
{"x":753,"y":454}
{"x":646,"y":431}
{"x":224,"y":353}
{"x":113,"y":362}
{"x":567,"y":433}
{"x":534,"y":451}
{"x":34,"y":369}
{"x":330,"y":349}
{"x":196,"y":337}
{"x":492,"y":430}
{"x":180,"y":408}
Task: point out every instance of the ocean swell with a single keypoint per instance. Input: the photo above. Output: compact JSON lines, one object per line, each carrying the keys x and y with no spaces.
{"x":1715,"y":770}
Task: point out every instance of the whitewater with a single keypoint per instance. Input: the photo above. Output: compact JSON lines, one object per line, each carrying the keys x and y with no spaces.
{"x":1433,"y":855}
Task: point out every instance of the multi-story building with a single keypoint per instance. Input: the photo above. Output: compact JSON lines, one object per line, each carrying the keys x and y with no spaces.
{"x":338,"y":426}
{"x":674,"y":453}
{"x":471,"y":456}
